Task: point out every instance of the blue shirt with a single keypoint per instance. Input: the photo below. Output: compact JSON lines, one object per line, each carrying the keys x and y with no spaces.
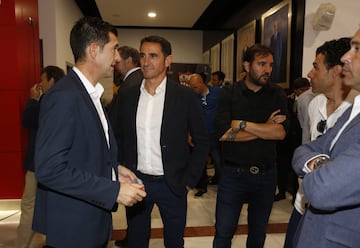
{"x":209,"y":103}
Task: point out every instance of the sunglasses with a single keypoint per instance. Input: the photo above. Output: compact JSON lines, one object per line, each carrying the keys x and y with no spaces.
{"x":321,"y":127}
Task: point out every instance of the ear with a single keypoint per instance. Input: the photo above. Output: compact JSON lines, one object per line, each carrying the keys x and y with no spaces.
{"x":337,"y":70}
{"x":246,"y":66}
{"x":93,"y":49}
{"x":168,"y":60}
{"x":51,"y":82}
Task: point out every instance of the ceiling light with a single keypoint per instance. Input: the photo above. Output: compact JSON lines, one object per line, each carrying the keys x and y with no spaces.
{"x":152,"y":14}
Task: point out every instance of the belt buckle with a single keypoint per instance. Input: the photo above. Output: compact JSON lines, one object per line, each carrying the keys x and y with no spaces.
{"x":254,"y":169}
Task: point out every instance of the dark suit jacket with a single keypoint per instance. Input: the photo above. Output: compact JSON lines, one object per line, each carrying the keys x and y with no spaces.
{"x":74,"y":167}
{"x":30,"y":120}
{"x":332,"y":190}
{"x":134,"y":78}
{"x":182,"y":116}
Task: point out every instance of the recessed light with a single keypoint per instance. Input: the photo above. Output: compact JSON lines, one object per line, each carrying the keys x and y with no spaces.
{"x":152,"y":14}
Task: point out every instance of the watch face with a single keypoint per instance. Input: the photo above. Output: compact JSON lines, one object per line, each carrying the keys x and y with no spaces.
{"x":242,"y":125}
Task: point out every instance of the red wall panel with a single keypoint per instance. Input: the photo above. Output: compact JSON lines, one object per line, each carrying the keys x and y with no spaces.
{"x":19,"y":69}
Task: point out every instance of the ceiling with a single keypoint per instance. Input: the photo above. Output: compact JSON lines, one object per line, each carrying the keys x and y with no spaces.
{"x":182,"y":14}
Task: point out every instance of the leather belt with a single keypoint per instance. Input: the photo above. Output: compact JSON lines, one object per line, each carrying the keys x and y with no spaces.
{"x":255,"y":168}
{"x":149,"y":177}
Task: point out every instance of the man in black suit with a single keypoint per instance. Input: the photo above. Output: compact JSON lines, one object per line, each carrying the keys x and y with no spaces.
{"x":76,"y":152}
{"x":129,"y":67}
{"x":155,"y":119}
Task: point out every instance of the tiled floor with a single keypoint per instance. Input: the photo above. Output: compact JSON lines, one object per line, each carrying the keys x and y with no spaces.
{"x":201,"y":212}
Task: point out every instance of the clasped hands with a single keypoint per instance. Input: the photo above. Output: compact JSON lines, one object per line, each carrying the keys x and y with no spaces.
{"x":131,"y":188}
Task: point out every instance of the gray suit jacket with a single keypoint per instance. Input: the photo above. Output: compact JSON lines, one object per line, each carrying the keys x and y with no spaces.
{"x":333,"y":190}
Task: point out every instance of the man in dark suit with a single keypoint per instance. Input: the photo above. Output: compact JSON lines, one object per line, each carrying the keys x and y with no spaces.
{"x":155,"y":119}
{"x":76,"y":153}
{"x":128,"y":66}
{"x":30,"y":120}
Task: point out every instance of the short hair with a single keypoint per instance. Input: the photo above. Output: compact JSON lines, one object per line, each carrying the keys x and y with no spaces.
{"x":256,"y":49}
{"x":126,"y":52}
{"x":220,"y":75}
{"x":164,"y":43}
{"x":54,"y":72}
{"x":301,"y":82}
{"x":88,"y":30}
{"x":333,"y":50}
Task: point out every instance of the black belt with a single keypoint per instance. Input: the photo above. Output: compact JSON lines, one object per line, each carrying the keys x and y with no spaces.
{"x":148,"y":176}
{"x":253,"y":168}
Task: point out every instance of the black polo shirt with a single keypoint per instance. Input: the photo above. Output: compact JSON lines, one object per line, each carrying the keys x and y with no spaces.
{"x":237,"y":102}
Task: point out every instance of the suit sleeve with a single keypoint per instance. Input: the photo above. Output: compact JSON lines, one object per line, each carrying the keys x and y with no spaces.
{"x":331,"y":186}
{"x":30,"y":115}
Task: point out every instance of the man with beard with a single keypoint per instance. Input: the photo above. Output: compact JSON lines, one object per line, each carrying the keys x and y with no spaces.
{"x":251,"y":118}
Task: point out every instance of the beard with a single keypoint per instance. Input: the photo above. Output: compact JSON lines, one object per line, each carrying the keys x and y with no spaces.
{"x":261,"y":80}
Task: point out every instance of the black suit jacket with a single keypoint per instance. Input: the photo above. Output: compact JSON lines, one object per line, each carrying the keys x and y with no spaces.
{"x":134,"y":78}
{"x":30,"y":120}
{"x":73,"y":164}
{"x":182,"y":116}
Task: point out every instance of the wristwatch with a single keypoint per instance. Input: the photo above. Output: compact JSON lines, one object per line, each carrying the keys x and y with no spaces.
{"x":242,"y":125}
{"x":319,"y":161}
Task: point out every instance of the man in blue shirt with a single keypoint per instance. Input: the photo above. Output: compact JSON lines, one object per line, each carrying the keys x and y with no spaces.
{"x":208,"y":96}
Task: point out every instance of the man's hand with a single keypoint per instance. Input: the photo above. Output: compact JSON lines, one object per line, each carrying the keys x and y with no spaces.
{"x":130,"y":193}
{"x":276,"y":118}
{"x":125,"y":175}
{"x":35,"y":92}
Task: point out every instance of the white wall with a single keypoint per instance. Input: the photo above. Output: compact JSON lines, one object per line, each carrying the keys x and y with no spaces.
{"x":56,"y":18}
{"x":345,"y":24}
{"x":186,"y":44}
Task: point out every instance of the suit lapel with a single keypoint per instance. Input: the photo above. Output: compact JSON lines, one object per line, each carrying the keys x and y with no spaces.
{"x":340,"y":124}
{"x":170,"y":97}
{"x":90,"y":104}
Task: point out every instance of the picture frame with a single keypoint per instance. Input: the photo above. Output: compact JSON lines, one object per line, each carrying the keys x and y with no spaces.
{"x":246,"y":37}
{"x":276,"y":33}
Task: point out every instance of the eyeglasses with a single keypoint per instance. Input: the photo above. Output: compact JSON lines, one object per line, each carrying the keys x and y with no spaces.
{"x":321,"y":126}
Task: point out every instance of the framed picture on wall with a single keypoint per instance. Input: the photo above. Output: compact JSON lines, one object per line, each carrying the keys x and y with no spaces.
{"x":276,"y":33}
{"x":245,"y":38}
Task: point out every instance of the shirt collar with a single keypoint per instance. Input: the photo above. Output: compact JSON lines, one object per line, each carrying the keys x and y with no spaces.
{"x":94,"y":92}
{"x":161,"y":88}
{"x":130,"y":71}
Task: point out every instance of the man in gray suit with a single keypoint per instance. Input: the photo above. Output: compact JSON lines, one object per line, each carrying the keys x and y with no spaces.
{"x":331,"y":170}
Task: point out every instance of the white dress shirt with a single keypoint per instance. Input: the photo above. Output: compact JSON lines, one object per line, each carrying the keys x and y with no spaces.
{"x":318,"y":112}
{"x":95,"y":94}
{"x":148,"y":128}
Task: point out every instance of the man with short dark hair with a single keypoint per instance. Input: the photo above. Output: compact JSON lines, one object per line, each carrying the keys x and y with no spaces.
{"x":217,"y":78}
{"x":250,"y":119}
{"x":155,"y":119}
{"x":80,"y":180}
